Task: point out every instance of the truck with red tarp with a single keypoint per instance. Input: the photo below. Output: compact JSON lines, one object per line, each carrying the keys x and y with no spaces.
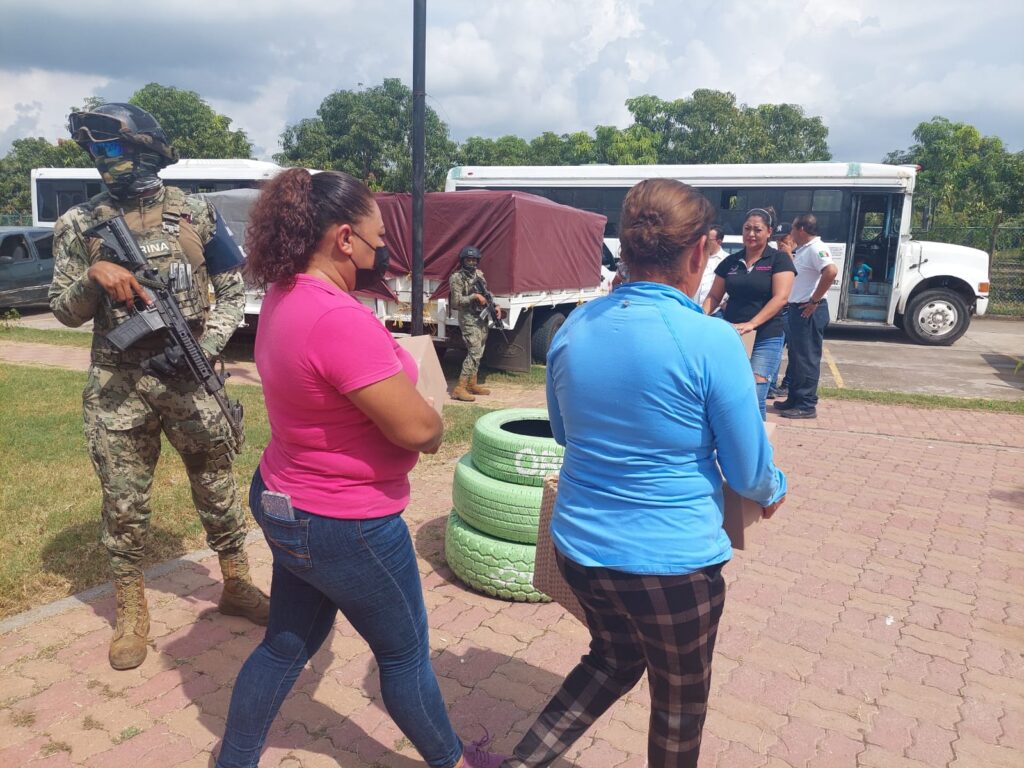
{"x":541,"y":259}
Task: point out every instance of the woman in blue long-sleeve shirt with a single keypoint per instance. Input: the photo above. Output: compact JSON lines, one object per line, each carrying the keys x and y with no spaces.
{"x":649,"y":397}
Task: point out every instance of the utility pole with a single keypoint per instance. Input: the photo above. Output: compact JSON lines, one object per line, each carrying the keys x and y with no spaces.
{"x":419,"y":55}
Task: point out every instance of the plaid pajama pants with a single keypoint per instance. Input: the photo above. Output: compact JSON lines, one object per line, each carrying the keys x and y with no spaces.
{"x":665,"y":625}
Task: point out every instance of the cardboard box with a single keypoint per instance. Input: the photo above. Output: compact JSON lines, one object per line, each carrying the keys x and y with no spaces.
{"x":431,"y":383}
{"x":742,"y":513}
{"x":748,"y":342}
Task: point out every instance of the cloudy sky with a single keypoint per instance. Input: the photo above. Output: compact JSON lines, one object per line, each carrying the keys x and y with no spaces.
{"x":873,"y":69}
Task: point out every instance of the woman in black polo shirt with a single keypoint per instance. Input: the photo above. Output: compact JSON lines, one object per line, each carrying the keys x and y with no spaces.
{"x":758,"y":280}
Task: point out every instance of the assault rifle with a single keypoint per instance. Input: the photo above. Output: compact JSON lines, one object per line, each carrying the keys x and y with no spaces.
{"x":489,"y":311}
{"x":163,"y":314}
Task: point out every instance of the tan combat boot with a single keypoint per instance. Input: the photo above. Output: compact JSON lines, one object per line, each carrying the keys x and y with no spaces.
{"x":461,"y":391}
{"x":475,"y":388}
{"x":240,"y":596}
{"x":128,"y":648}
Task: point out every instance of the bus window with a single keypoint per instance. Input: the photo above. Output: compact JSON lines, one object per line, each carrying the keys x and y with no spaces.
{"x":827,"y":201}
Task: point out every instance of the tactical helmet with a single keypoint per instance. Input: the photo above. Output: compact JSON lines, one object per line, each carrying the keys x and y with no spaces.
{"x":469,"y":252}
{"x":122,"y":121}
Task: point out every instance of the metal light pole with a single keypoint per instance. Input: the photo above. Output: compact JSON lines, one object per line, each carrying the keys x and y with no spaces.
{"x":419,"y":54}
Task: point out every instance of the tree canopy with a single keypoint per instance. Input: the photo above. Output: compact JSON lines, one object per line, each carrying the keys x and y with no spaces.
{"x":193,"y":127}
{"x":368,"y":133}
{"x":16,"y":167}
{"x":969,"y":179}
{"x":707,"y":127}
{"x":966,"y":179}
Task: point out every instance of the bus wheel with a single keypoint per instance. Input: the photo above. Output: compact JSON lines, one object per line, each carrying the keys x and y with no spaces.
{"x":540,"y":341}
{"x":937,"y":317}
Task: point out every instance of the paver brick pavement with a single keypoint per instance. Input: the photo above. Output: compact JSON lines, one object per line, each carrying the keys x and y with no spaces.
{"x":877,"y":622}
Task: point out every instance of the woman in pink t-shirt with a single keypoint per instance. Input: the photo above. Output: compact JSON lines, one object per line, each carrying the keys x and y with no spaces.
{"x":347,"y":425}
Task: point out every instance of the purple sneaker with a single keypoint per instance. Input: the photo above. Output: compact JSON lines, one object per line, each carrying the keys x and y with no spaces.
{"x":475,"y":756}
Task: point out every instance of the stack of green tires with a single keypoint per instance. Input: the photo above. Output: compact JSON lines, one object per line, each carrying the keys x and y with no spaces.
{"x":491,"y":539}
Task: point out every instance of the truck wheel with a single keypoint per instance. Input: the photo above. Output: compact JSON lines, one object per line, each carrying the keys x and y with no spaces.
{"x":937,"y":317}
{"x":540,"y":341}
{"x":515,"y":445}
{"x":498,"y":568}
{"x":503,"y":510}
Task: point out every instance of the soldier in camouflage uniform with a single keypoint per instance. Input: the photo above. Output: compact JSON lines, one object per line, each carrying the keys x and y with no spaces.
{"x":466,"y":298}
{"x":125,"y":407}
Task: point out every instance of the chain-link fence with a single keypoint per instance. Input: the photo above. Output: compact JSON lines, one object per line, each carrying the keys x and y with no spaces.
{"x":15,"y":220}
{"x":1006,"y":269}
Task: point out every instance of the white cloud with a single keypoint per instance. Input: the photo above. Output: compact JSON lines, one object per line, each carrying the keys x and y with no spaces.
{"x":36,"y":102}
{"x":872,"y":69}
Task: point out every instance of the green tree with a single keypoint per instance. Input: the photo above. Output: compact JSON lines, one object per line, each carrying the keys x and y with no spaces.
{"x":778,"y":133}
{"x":368,"y":134}
{"x":193,"y":127}
{"x":635,"y":145}
{"x":966,"y":179}
{"x":710,"y":127}
{"x":26,"y":154}
{"x":505,"y":150}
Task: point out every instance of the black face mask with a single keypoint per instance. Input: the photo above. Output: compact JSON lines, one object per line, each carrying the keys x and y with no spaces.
{"x":368,"y":278}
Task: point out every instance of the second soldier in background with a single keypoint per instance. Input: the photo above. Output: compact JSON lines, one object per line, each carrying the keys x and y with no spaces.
{"x":467,"y":285}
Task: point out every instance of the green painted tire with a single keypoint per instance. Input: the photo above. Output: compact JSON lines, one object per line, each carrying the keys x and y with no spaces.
{"x":497,"y":568}
{"x":514,"y":445}
{"x":504,"y":510}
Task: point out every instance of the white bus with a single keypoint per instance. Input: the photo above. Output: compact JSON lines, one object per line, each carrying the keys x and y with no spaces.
{"x":863,"y":210}
{"x":54,"y":190}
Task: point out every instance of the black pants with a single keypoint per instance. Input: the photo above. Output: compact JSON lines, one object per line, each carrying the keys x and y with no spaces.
{"x":806,"y":337}
{"x":664,"y":625}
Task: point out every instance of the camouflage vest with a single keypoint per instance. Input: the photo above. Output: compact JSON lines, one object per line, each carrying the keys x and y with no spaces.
{"x":166,"y":236}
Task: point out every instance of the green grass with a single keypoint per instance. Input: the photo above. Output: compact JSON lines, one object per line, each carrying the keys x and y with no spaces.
{"x":13,"y":332}
{"x":50,"y":498}
{"x":451,"y":364}
{"x":458,"y":424}
{"x":534,"y":378}
{"x":924,"y":401}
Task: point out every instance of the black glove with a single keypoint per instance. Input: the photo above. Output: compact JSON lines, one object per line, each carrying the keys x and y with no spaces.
{"x":167,"y":364}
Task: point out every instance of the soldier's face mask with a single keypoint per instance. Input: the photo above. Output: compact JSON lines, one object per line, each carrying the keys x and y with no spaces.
{"x":366,"y":278}
{"x":129,"y":172}
{"x":469,"y":266}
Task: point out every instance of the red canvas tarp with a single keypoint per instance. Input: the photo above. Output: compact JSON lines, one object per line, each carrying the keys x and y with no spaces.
{"x":528,"y":243}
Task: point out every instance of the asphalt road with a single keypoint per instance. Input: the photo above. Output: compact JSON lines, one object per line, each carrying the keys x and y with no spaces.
{"x":981,"y":364}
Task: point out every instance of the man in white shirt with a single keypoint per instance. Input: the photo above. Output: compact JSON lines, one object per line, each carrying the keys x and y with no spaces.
{"x":807,"y":318}
{"x":715,"y":254}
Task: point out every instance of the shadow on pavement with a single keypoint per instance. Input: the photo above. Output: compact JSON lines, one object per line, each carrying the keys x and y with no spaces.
{"x":77,"y":555}
{"x":881,"y":335}
{"x":209,"y":654}
{"x":428,"y":538}
{"x":1007,"y":369}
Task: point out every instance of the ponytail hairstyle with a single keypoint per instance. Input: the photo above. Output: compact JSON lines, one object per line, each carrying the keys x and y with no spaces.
{"x":291,"y":215}
{"x":660,"y":219}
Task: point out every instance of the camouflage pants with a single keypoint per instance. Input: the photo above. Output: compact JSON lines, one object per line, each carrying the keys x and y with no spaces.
{"x":474,"y":335}
{"x":125,"y":413}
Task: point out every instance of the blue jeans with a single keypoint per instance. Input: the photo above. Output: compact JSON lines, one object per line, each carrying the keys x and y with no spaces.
{"x":785,"y":379}
{"x":367,"y":570}
{"x":765,"y":359}
{"x":806,"y":337}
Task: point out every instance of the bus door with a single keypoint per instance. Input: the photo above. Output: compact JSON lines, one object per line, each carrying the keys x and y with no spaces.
{"x":873,"y":245}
